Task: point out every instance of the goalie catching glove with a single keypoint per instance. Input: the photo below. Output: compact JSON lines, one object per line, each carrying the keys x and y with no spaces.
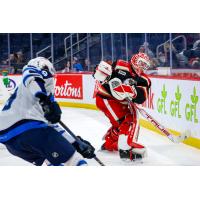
{"x":121,"y":91}
{"x":84,"y":148}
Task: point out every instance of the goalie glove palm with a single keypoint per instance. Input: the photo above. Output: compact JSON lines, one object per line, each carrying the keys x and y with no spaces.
{"x":121,"y":91}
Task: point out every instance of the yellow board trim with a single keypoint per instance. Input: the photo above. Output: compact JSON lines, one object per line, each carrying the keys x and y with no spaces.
{"x":194,"y":142}
{"x":78,"y":105}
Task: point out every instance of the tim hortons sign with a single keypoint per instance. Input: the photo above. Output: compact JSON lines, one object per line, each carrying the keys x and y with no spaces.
{"x":69,"y":87}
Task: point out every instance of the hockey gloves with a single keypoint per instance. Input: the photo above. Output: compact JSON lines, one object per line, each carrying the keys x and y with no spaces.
{"x":52,"y":111}
{"x":122,"y":91}
{"x":84,"y":148}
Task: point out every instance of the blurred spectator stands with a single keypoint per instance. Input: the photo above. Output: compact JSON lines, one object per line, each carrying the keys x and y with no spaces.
{"x":176,"y":50}
{"x":193,"y":55}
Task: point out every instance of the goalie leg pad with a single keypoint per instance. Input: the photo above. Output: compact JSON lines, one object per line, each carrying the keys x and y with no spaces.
{"x":130,"y":126}
{"x":126,"y":124}
{"x":111,"y":139}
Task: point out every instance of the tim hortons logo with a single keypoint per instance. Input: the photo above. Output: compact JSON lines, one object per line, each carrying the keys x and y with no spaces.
{"x":69,"y":87}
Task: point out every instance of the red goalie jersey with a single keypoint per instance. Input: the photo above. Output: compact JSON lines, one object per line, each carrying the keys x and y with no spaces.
{"x":125,"y":72}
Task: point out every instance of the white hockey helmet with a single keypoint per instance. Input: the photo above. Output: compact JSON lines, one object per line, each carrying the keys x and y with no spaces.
{"x":140,"y":62}
{"x":103,"y":71}
{"x":42,"y":63}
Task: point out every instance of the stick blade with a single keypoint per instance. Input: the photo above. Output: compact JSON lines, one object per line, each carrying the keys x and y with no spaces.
{"x":185,"y":135}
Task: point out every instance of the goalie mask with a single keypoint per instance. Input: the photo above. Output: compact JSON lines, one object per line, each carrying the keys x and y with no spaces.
{"x":103,"y":71}
{"x":140,"y":62}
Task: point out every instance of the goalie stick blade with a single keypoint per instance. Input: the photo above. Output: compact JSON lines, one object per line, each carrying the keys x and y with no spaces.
{"x":173,"y":138}
{"x":185,"y":135}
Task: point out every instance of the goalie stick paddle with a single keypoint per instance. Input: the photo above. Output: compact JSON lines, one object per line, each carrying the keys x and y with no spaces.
{"x":78,"y":140}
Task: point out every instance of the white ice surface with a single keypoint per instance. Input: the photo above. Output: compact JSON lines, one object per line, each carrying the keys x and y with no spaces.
{"x":92,"y":125}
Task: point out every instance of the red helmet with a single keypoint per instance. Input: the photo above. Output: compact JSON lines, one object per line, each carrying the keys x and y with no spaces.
{"x":140,"y":62}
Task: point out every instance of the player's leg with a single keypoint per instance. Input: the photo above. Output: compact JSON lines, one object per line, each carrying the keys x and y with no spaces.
{"x":37,"y":145}
{"x":127,"y":142}
{"x":115,"y":112}
{"x":16,"y":148}
{"x":59,"y":151}
{"x":111,"y":139}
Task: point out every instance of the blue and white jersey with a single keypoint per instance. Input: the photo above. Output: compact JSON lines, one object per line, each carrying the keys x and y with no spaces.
{"x":23,"y":105}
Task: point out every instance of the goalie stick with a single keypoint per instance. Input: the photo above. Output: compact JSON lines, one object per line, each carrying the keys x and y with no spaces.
{"x":173,"y":138}
{"x":77,"y":139}
{"x":155,"y":123}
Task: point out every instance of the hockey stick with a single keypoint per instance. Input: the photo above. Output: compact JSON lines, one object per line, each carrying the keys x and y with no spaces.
{"x":173,"y":138}
{"x":78,"y":140}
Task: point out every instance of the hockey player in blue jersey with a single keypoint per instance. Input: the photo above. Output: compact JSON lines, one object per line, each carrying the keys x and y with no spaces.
{"x":29,"y":121}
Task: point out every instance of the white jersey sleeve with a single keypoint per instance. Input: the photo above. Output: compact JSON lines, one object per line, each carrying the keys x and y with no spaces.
{"x":23,"y":103}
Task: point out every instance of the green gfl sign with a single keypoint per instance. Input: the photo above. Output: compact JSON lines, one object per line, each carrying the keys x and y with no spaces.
{"x":191,"y":108}
{"x":175,"y":105}
{"x":161,"y":103}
